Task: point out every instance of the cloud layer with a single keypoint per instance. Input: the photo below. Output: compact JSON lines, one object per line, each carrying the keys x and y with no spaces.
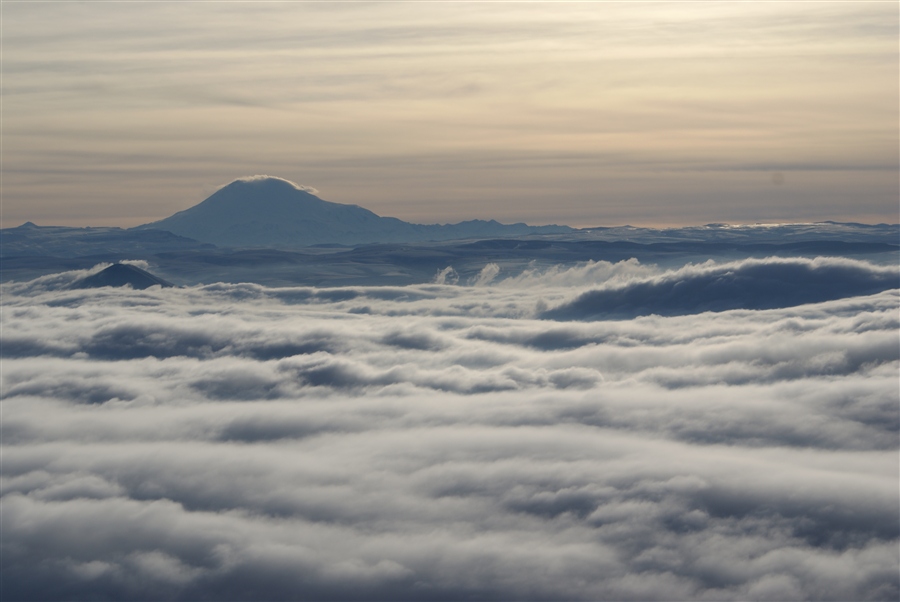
{"x":439,"y":442}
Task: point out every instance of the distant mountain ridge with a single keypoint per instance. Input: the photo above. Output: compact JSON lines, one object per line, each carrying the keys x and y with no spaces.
{"x":264,"y":211}
{"x":29,"y":240}
{"x":254,"y":222}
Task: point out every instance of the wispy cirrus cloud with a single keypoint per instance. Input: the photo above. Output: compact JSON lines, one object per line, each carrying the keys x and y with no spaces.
{"x":130,"y":112}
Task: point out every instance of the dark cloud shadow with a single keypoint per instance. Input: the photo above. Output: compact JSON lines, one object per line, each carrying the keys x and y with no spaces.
{"x":750,"y":284}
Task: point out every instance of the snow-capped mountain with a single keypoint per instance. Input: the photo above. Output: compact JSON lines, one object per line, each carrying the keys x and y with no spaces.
{"x":263,"y":211}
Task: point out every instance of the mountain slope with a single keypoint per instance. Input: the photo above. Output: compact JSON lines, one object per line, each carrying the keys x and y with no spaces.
{"x":264,"y":211}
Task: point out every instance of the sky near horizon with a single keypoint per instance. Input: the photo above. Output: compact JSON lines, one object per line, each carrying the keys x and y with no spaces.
{"x":117,"y":114}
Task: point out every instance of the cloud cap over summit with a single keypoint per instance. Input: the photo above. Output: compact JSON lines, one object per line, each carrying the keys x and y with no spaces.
{"x":265,"y":211}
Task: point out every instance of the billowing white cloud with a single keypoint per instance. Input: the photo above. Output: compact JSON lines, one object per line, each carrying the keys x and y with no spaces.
{"x":234,"y":441}
{"x":487,"y":275}
{"x":446,"y":276}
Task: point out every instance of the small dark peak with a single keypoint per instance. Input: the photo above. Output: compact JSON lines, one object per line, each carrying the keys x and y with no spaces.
{"x":122,"y":274}
{"x":29,"y":226}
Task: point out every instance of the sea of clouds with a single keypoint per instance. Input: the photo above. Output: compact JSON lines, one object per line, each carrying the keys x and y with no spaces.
{"x":590,"y":432}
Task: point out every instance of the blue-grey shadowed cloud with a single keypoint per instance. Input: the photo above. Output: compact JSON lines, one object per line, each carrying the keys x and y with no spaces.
{"x":131,"y":341}
{"x":183,"y":444}
{"x":750,"y":284}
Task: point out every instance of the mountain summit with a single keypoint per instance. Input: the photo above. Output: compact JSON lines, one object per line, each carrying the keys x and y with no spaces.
{"x":265,"y":211}
{"x":122,"y":274}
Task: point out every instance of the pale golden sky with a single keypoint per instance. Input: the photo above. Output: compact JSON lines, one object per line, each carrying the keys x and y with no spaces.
{"x":576,"y":113}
